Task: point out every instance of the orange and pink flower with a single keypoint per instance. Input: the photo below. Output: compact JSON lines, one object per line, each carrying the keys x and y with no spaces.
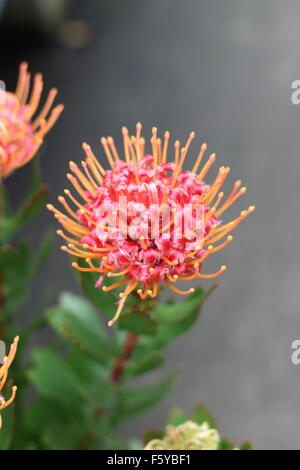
{"x":147,"y":182}
{"x":22,"y":128}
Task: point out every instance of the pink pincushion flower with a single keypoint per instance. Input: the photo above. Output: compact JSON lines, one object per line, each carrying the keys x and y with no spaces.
{"x":21,"y":130}
{"x":146,"y":219}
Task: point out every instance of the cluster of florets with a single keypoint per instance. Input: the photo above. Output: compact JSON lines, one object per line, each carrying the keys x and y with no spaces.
{"x":112,"y":225}
{"x":21,"y":129}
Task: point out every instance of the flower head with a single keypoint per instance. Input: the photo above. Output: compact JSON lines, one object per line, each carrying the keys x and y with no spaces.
{"x":187,"y":436}
{"x":22,"y":129}
{"x":3,"y":376}
{"x":129,"y":221}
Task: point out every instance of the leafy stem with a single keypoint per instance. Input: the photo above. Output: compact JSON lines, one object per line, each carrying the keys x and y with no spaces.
{"x":128,"y":348}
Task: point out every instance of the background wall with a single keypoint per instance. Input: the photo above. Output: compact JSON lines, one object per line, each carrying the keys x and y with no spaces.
{"x":223,"y":69}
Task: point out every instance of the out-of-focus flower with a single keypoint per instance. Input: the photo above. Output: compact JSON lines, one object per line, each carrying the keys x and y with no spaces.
{"x":3,"y":376}
{"x":187,"y":436}
{"x":22,"y":128}
{"x":146,"y":194}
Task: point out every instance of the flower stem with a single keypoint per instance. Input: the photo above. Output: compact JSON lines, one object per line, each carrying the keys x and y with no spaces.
{"x":128,"y":348}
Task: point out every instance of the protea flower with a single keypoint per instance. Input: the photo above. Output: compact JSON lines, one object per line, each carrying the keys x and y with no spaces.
{"x":187,"y":436}
{"x":3,"y":376}
{"x":152,"y":188}
{"x":22,"y":129}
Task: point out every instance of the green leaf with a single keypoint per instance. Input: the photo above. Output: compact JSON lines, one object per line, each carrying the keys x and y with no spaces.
{"x":135,"y":401}
{"x":54,"y":425}
{"x":6,"y":432}
{"x":201,"y":415}
{"x":76,"y":320}
{"x":96,"y":389}
{"x":138,"y":322}
{"x":225,"y":444}
{"x":39,"y":413}
{"x":5,"y":228}
{"x":86,"y":414}
{"x":176,"y":312}
{"x":54,"y":379}
{"x":67,"y":435}
{"x":36,"y":178}
{"x":135,"y":444}
{"x":44,"y":251}
{"x":146,"y":364}
{"x":4,"y":203}
{"x":151,"y":434}
{"x":104,"y":301}
{"x":15,"y":265}
{"x":168,"y":331}
{"x":176,"y":417}
{"x":247,"y":445}
{"x":18,"y":267}
{"x":32,"y":206}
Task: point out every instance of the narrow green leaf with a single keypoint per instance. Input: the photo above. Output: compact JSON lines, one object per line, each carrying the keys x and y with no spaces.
{"x":201,"y":414}
{"x":168,"y":331}
{"x":4,"y":202}
{"x":32,"y":206}
{"x":54,"y":379}
{"x":5,"y":228}
{"x":38,"y":414}
{"x":54,"y":425}
{"x":135,"y":444}
{"x":137,"y":322}
{"x":247,"y":445}
{"x":29,"y":209}
{"x":76,"y":320}
{"x":65,"y":434}
{"x":176,"y":417}
{"x":104,"y":301}
{"x":225,"y":444}
{"x":151,"y":434}
{"x":135,"y":401}
{"x":146,"y":364}
{"x":18,"y":267}
{"x":36,"y":177}
{"x":44,"y":251}
{"x":96,"y":388}
{"x":15,"y":265}
{"x":176,"y":312}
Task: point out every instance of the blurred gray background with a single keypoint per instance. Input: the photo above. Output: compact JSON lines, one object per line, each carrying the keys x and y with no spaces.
{"x":223,"y":69}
